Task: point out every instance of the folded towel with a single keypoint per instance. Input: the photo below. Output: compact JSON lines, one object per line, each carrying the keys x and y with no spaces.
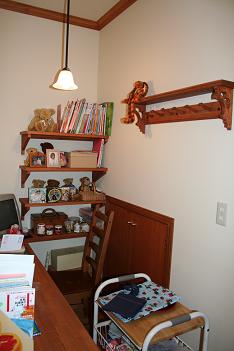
{"x":127,"y":305}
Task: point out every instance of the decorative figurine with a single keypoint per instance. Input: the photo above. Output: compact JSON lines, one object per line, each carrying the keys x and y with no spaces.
{"x":136,"y":94}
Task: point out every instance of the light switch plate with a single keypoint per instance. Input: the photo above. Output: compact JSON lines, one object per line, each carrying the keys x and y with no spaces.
{"x":221,"y":214}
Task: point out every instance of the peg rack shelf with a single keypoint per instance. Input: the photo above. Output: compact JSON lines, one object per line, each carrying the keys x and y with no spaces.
{"x":221,"y":91}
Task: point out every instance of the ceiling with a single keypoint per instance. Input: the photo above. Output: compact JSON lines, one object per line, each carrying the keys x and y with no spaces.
{"x":93,"y":14}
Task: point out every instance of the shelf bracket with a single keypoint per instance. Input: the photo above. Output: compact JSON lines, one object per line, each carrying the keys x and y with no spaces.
{"x":24,"y":210}
{"x":24,"y":142}
{"x":224,"y":95}
{"x":221,"y":90}
{"x":24,"y":177}
{"x":97,"y":175}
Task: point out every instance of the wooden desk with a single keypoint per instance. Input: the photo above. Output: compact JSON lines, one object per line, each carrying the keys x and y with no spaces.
{"x":61,"y":329}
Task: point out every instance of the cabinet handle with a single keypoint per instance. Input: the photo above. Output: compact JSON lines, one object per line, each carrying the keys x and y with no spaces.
{"x":129,"y":222}
{"x":134,"y":224}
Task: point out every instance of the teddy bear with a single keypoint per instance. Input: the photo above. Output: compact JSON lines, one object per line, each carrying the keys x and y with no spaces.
{"x":38,"y":183}
{"x":43,"y":121}
{"x":68,"y":183}
{"x":52,"y":183}
{"x":30,"y":151}
{"x":85,"y":184}
{"x":46,"y":146}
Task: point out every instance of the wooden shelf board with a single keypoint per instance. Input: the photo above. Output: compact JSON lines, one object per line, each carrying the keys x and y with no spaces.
{"x":26,"y":204}
{"x":62,"y":169}
{"x":62,"y":136}
{"x":27,"y":135}
{"x":35,"y":237}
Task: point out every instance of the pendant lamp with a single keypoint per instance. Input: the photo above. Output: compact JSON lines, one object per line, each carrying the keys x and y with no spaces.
{"x":65,"y":79}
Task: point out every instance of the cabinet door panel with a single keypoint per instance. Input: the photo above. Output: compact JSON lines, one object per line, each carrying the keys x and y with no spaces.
{"x":149,"y":251}
{"x":140,"y":241}
{"x":117,"y":257}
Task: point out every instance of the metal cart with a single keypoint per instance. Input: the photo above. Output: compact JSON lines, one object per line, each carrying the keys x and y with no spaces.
{"x":165,"y":324}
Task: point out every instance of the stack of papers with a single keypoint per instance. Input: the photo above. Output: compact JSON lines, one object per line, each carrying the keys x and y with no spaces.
{"x":17,"y":297}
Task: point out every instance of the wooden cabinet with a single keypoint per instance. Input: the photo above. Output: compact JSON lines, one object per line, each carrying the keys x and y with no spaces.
{"x":140,"y":241}
{"x":97,"y":172}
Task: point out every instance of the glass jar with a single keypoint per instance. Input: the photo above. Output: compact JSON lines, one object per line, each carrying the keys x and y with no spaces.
{"x":58,"y":228}
{"x":84,"y":227}
{"x":49,"y":229}
{"x":69,"y":226}
{"x":41,"y":229}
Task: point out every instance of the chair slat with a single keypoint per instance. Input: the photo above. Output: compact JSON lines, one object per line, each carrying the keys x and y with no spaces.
{"x":92,"y":263}
{"x":99,"y":232}
{"x":94,"y":246}
{"x":101,"y":216}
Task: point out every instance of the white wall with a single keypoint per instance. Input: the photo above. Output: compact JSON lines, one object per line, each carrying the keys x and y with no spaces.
{"x":31,"y":51}
{"x":178,"y":169}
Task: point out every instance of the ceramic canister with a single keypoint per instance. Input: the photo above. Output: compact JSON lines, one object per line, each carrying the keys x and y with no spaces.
{"x":41,"y":229}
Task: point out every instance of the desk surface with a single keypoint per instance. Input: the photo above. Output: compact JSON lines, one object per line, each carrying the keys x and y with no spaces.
{"x":60,"y":327}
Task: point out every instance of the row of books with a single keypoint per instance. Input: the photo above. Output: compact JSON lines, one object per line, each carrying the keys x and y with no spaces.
{"x":17,"y":296}
{"x":82,"y":117}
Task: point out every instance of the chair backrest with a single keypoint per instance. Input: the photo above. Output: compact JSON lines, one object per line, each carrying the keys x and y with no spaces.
{"x":96,"y":244}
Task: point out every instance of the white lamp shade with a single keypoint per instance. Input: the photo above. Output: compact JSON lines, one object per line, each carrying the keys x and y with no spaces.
{"x":65,"y":81}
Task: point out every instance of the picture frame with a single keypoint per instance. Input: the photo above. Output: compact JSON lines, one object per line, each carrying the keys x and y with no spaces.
{"x":37,"y":195}
{"x":63,"y":158}
{"x":53,"y":158}
{"x":54,"y":195}
{"x":37,"y":159}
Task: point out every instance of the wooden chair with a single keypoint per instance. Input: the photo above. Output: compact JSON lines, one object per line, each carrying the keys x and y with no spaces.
{"x":78,"y":285}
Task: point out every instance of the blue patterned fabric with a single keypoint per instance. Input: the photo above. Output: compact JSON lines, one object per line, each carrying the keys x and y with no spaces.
{"x":155,"y":295}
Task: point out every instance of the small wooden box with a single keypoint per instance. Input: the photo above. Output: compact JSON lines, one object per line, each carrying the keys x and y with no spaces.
{"x":48,"y":216}
{"x":82,"y":159}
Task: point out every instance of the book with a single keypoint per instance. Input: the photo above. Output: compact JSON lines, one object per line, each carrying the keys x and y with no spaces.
{"x":79,"y":113}
{"x":17,"y":296}
{"x":81,"y":118}
{"x":65,"y":111}
{"x":95,"y":123}
{"x":98,"y":147}
{"x":75,"y":114}
{"x":18,"y":303}
{"x":93,"y":118}
{"x":59,"y":116}
{"x":72,"y":110}
{"x":109,"y":117}
{"x":88,"y":120}
{"x":36,"y":330}
{"x":68,"y":116}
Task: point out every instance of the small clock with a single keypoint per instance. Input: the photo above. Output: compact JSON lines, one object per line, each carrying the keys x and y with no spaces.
{"x":54,"y":195}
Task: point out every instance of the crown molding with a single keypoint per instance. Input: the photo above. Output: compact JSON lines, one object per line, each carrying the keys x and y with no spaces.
{"x":115,"y":11}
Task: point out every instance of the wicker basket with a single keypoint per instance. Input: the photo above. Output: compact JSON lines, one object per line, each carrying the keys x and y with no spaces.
{"x":92,"y":196}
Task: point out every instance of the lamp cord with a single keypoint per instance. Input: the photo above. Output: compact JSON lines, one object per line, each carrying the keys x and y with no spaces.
{"x":67,"y":34}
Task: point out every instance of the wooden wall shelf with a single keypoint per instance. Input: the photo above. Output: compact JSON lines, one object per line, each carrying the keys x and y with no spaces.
{"x":27,"y":135}
{"x":97,"y":173}
{"x":25,"y":205}
{"x":221,"y":91}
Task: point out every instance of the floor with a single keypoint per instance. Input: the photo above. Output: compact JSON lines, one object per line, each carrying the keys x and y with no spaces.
{"x":82,"y":316}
